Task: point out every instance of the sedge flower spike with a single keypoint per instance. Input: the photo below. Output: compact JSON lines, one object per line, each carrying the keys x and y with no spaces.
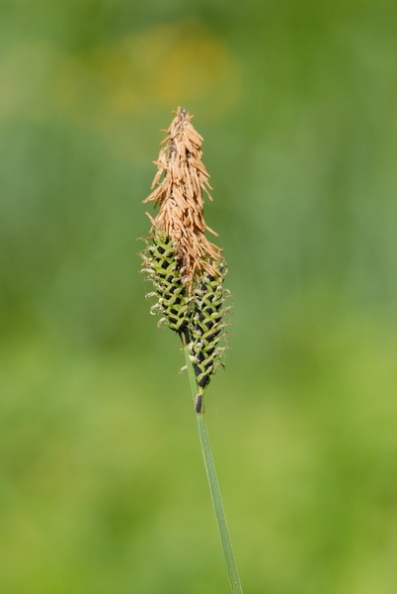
{"x":187,"y":273}
{"x":185,"y":268}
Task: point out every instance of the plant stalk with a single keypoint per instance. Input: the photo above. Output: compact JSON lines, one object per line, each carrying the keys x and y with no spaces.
{"x":213,"y":484}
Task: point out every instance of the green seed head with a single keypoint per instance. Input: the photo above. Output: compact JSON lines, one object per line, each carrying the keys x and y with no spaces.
{"x":208,"y":325}
{"x":162,"y":268}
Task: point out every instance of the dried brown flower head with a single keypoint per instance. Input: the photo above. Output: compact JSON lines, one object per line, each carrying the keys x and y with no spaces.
{"x":178,"y":189}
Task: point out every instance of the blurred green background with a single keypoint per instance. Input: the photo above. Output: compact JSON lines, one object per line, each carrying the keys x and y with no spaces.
{"x":102,"y":488}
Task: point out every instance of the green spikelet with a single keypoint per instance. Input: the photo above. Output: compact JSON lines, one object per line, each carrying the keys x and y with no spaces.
{"x":207,"y":328}
{"x":163,"y":270}
{"x":197,"y":318}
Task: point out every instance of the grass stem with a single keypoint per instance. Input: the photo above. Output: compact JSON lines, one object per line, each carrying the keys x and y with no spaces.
{"x":214,"y":485}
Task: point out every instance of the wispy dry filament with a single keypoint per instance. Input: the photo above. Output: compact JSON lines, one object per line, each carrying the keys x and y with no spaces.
{"x":178,"y":189}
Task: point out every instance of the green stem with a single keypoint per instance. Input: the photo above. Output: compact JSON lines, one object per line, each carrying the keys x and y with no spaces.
{"x":214,"y":485}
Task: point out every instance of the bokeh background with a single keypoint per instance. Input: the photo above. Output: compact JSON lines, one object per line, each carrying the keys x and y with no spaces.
{"x":102,"y":488}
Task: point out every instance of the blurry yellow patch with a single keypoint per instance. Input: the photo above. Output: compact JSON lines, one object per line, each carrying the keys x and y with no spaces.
{"x":182,"y":60}
{"x":167,"y":65}
{"x":110,"y":88}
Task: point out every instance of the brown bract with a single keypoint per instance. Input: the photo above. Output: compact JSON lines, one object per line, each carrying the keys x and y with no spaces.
{"x":178,"y":190}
